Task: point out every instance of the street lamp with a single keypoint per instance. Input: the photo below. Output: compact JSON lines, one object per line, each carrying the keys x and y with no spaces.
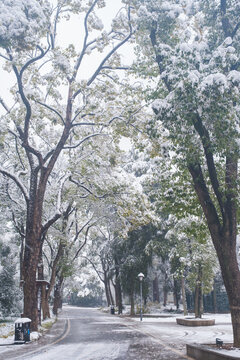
{"x":140,"y":276}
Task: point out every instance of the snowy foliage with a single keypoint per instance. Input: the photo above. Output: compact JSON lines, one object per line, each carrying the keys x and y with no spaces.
{"x":10,"y":295}
{"x":22,"y":21}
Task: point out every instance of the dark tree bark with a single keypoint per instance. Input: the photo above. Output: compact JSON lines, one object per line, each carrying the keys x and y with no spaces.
{"x":118,"y":289}
{"x":214,"y":297}
{"x":156,"y":290}
{"x":57,"y":299}
{"x":198,"y":300}
{"x":176,"y":293}
{"x":223,"y":231}
{"x":184,"y":296}
{"x":132,"y":310}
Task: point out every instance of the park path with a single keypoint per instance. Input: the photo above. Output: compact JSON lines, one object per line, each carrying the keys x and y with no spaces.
{"x":88,"y":334}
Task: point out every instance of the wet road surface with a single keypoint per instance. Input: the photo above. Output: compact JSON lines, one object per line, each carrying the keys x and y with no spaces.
{"x":88,"y":334}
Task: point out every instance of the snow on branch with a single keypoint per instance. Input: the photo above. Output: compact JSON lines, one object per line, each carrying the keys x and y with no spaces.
{"x":99,"y":272}
{"x":50,"y":222}
{"x":85,"y":39}
{"x":86,"y":189}
{"x":51,"y":109}
{"x":84,"y":243}
{"x":58,"y":213}
{"x":85,"y":139}
{"x":4,"y":105}
{"x":17,"y":182}
{"x":107,"y":57}
{"x":65,"y":177}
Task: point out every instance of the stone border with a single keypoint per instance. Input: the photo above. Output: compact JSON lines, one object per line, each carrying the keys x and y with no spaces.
{"x":200,"y":352}
{"x":195,"y":322}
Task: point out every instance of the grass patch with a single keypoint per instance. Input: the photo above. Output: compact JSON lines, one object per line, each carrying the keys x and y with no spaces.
{"x":11,"y":333}
{"x":47,"y":325}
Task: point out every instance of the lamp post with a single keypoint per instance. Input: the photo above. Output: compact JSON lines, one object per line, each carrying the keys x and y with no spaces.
{"x":140,"y":276}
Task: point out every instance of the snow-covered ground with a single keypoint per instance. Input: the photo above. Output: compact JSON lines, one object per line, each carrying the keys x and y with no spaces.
{"x":7,"y":330}
{"x":162,"y":328}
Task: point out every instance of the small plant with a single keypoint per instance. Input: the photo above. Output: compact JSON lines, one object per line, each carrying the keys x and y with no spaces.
{"x":47,"y":325}
{"x":145,"y":309}
{"x":5,"y":336}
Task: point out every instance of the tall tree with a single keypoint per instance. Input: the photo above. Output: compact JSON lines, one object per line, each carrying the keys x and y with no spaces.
{"x":53,"y":110}
{"x":196,"y":50}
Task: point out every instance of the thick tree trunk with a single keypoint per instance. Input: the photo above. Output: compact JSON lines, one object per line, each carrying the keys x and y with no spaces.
{"x":165,"y":296}
{"x":231,"y":279}
{"x":45,"y":304}
{"x":57,"y":300}
{"x":119,"y":295}
{"x":223,"y":225}
{"x":30,"y":264}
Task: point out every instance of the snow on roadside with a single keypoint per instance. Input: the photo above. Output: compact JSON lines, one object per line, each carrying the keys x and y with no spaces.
{"x":7,"y":330}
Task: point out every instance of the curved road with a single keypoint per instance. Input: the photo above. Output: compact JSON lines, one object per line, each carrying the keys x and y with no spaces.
{"x":88,"y":334}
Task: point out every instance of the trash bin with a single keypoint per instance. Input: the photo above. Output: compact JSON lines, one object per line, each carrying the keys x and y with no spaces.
{"x":112,"y":310}
{"x":22,"y":330}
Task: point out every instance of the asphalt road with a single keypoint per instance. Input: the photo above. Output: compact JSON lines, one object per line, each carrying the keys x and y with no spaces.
{"x":88,"y":334}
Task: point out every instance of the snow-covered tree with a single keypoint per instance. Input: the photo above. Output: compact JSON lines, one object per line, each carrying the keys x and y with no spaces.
{"x":195,"y":48}
{"x":10,"y":293}
{"x":56,"y":104}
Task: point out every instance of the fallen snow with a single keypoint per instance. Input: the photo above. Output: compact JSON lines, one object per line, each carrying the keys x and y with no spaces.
{"x":162,"y":327}
{"x":22,"y":320}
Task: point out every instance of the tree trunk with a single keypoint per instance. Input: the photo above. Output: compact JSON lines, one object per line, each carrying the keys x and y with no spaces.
{"x":176,"y":293}
{"x":198,"y":308}
{"x":223,"y":225}
{"x":132,"y":311}
{"x":118,"y":288}
{"x":110,"y":292}
{"x":184,"y":296}
{"x":30,"y":264}
{"x":156,"y":290}
{"x":165,"y":296}
{"x":106,"y":287}
{"x":231,"y":278}
{"x":119,"y":292}
{"x":165,"y":289}
{"x":45,"y":304}
{"x":57,"y":301}
{"x":214,"y":298}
